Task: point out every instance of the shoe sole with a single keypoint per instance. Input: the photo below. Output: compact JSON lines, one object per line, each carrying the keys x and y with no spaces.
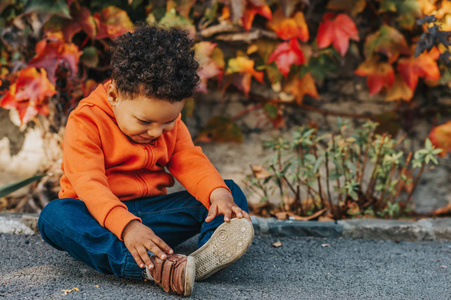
{"x":190,"y":274}
{"x":227,"y":244}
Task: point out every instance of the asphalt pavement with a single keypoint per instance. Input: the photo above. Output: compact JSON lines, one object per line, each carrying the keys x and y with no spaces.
{"x":300,"y":268}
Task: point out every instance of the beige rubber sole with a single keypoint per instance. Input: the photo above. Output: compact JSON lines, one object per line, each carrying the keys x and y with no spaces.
{"x":190,"y":275}
{"x":227,"y":244}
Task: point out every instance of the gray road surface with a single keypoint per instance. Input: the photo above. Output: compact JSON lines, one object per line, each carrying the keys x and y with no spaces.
{"x":302,"y":268}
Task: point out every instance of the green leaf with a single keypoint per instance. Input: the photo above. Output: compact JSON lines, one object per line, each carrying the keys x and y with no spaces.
{"x":10,"y":188}
{"x":90,"y":57}
{"x":318,"y":164}
{"x":271,"y":109}
{"x":51,"y":7}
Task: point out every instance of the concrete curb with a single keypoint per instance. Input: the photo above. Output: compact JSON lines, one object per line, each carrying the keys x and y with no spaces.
{"x":373,"y":229}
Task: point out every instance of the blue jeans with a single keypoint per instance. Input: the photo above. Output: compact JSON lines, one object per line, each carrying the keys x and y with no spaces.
{"x":67,"y":225}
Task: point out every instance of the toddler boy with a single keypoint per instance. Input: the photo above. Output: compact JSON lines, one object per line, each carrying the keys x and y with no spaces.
{"x":113,"y":211}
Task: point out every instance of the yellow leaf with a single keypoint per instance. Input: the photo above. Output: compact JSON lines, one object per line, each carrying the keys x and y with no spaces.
{"x":277,"y":244}
{"x":399,"y":90}
{"x":301,"y":87}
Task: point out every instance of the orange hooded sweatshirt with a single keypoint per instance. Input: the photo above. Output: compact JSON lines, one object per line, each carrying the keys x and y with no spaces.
{"x":102,"y":167}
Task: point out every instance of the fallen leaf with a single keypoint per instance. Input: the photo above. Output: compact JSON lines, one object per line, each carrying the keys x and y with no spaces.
{"x":260,"y":172}
{"x":325,"y":245}
{"x":277,"y":244}
{"x":337,"y":30}
{"x":65,"y":292}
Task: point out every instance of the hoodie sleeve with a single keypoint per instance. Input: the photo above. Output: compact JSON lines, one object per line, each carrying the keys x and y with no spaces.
{"x":84,"y":166}
{"x":192,"y":168}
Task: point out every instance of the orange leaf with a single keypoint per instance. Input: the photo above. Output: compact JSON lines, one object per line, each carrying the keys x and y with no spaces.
{"x":53,"y":51}
{"x":387,"y":41}
{"x":208,"y":67}
{"x":440,"y":137}
{"x":245,"y":67}
{"x":379,"y":74}
{"x":301,"y":87}
{"x":251,"y":11}
{"x":28,"y":93}
{"x":112,"y":22}
{"x":424,"y":66}
{"x":287,"y":54}
{"x":337,"y":31}
{"x":427,"y":6}
{"x":289,"y":28}
{"x":399,"y":90}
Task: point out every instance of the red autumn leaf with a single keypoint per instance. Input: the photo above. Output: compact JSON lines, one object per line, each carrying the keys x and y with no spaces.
{"x":240,"y":71}
{"x":251,"y":11}
{"x":112,"y":22}
{"x":379,"y":74}
{"x":52,"y":52}
{"x":28,"y":93}
{"x":289,"y":28}
{"x":424,"y":66}
{"x":337,"y":30}
{"x":440,"y":137}
{"x":86,"y":21}
{"x":299,"y":87}
{"x":209,"y":66}
{"x":286,"y":55}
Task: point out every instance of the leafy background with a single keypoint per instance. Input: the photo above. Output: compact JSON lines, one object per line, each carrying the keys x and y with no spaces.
{"x":277,"y":56}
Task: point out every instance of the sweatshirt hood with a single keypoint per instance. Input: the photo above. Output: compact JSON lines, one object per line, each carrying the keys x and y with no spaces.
{"x":99,"y":98}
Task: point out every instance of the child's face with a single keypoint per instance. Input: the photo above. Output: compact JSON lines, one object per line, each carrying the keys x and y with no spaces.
{"x":143,"y":119}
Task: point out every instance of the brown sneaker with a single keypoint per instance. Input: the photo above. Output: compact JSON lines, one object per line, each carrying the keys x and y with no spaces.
{"x":176,"y":273}
{"x":227,"y":244}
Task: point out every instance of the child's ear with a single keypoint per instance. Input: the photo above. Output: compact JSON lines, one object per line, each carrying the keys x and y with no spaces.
{"x":112,"y":94}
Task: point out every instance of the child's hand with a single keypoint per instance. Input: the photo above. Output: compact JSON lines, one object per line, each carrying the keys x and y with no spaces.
{"x":139,"y":238}
{"x":222,"y":204}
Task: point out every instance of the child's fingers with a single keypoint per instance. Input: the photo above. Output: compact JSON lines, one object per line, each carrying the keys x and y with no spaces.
{"x":142,"y":252}
{"x":238,"y":211}
{"x":137,"y":258}
{"x":211,"y":213}
{"x":246,"y":216}
{"x":162,"y":245}
{"x":228,"y":214}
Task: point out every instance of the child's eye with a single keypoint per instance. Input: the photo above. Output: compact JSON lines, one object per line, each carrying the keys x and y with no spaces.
{"x":143,"y":122}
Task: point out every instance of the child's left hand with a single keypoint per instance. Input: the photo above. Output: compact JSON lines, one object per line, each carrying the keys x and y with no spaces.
{"x":222,"y":204}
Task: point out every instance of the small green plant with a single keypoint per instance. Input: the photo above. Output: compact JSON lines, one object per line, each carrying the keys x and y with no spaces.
{"x":339,"y":175}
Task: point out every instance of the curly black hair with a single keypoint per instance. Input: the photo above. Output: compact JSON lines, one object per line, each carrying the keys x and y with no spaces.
{"x":155,"y":62}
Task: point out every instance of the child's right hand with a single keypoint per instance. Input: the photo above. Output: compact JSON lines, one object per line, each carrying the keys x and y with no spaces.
{"x":139,"y":238}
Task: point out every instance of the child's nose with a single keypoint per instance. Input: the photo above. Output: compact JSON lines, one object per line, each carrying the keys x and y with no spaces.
{"x":155,"y":132}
